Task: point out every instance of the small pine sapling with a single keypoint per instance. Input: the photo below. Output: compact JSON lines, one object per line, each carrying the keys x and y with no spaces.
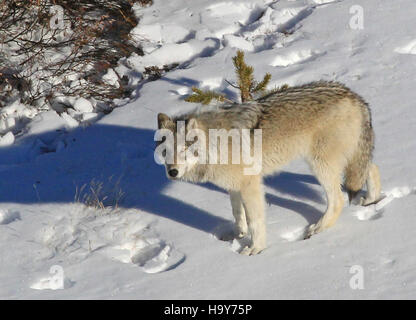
{"x":246,"y":84}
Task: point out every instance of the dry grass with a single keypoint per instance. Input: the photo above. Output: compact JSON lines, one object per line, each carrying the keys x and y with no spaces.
{"x":99,"y":195}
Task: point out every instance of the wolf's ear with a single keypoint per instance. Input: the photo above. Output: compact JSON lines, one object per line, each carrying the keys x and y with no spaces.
{"x":192,"y":124}
{"x":163,"y":120}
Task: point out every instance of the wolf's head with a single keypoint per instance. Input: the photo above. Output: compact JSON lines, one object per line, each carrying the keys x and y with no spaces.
{"x":178,"y":163}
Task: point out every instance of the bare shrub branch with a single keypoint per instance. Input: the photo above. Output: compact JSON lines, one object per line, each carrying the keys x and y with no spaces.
{"x":39,"y":63}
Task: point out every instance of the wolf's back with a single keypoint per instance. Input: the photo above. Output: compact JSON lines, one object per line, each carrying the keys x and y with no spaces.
{"x":314,"y":105}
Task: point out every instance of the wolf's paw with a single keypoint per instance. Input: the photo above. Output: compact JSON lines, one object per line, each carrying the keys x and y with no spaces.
{"x":312,"y":229}
{"x":231,"y":235}
{"x":369,"y":201}
{"x":373,"y":210}
{"x":251,"y":251}
{"x":229,"y":232}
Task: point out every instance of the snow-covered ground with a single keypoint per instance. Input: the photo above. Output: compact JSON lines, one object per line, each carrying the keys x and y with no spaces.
{"x":160,"y":243}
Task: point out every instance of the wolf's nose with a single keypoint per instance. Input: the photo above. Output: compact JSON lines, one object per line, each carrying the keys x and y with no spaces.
{"x":173,"y":173}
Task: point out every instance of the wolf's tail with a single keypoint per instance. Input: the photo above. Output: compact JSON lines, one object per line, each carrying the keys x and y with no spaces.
{"x":360,"y":169}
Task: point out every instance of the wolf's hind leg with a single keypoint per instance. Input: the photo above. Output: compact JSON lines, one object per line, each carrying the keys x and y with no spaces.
{"x":329,"y":175}
{"x":253,"y":201}
{"x":373,"y":186}
{"x":240,"y":229}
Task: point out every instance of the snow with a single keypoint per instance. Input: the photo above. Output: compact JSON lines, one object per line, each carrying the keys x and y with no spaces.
{"x":83,"y":105}
{"x":409,"y":48}
{"x":293,"y":57}
{"x":172,"y":53}
{"x":89,"y":116}
{"x":160,"y":33}
{"x":111,"y":78}
{"x":7,"y":216}
{"x":70,"y":122}
{"x":160,"y":242}
{"x":238,"y":42}
{"x":7,"y":139}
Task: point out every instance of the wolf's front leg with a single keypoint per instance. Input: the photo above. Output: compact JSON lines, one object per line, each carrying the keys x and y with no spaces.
{"x":240,"y":229}
{"x":253,"y":200}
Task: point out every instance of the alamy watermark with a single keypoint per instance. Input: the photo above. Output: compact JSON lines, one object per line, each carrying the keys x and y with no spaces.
{"x":55,"y":281}
{"x":357,"y":19}
{"x":194,"y":147}
{"x":357,"y":280}
{"x":58,"y":277}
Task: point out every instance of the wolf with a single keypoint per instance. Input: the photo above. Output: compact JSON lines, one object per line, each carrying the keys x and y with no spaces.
{"x":323,"y":122}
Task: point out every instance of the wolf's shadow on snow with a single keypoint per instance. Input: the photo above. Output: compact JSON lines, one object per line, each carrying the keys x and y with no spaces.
{"x":53,"y":166}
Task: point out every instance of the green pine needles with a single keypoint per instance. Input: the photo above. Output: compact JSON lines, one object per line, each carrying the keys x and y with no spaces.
{"x":204,"y":96}
{"x":246,"y":83}
{"x":248,"y":86}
